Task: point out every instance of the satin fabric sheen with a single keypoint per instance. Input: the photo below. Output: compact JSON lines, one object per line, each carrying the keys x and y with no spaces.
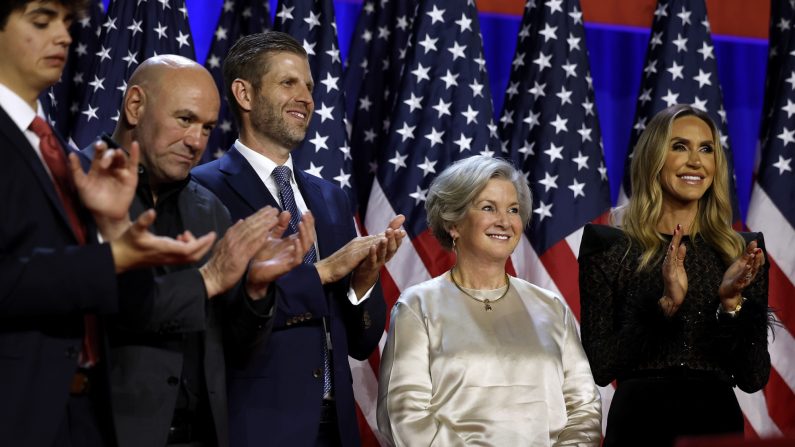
{"x":453,"y":374}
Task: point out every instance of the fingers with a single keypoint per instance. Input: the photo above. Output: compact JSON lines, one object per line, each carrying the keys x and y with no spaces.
{"x":114,"y":159}
{"x":144,"y":220}
{"x":77,"y":169}
{"x":680,"y":254}
{"x":100,"y":147}
{"x":395,"y":238}
{"x":676,"y":252}
{"x":397,"y":221}
{"x":754,"y":260}
{"x":249,"y":234}
{"x":197,"y":248}
{"x":759,"y":259}
{"x":281,"y":225}
{"x":135,"y":155}
{"x":304,"y":238}
{"x":676,"y":240}
{"x":309,"y":220}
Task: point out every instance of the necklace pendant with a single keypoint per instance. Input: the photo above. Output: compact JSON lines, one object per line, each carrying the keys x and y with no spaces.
{"x":486,"y":305}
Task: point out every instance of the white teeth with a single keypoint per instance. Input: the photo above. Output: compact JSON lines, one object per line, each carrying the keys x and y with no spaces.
{"x":691,"y":178}
{"x":499,"y":236}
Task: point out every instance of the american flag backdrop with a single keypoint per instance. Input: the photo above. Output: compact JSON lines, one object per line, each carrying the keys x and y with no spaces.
{"x":372,"y":82}
{"x":772,"y":211}
{"x":61,"y":102}
{"x":550,"y":128}
{"x":238,"y":18}
{"x":680,"y":69}
{"x":419,"y":99}
{"x":132,"y":32}
{"x":325,"y":151}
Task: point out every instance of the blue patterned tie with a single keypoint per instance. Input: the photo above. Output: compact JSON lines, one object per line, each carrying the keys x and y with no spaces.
{"x":281,"y":174}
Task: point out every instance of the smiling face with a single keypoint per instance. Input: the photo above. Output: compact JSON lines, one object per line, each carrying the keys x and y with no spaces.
{"x":491,"y":228}
{"x":689,"y":166}
{"x":282,"y":107}
{"x":179,"y":112}
{"x":33,"y":47}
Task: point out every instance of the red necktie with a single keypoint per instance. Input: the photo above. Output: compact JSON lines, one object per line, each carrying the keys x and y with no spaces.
{"x":56,"y":161}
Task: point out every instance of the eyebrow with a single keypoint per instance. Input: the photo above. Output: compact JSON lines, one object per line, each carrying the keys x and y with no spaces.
{"x":49,"y":12}
{"x":192,"y":115}
{"x":494,"y":203}
{"x":681,"y":139}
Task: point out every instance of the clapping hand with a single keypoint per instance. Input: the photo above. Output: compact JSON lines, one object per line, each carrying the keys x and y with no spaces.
{"x":136,"y":247}
{"x":739,"y":275}
{"x":107,"y":189}
{"x":366,"y":273}
{"x":232,"y":254}
{"x":674,"y":274}
{"x":278,"y":255}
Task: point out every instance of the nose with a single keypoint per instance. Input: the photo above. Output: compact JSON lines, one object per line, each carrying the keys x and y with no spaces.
{"x":194,"y":139}
{"x":62,"y":35}
{"x":502,"y":219}
{"x":694,"y":158}
{"x":305,"y":98}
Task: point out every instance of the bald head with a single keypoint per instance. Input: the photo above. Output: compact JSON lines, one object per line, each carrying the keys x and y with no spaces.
{"x":170,"y":108}
{"x":154,"y":71}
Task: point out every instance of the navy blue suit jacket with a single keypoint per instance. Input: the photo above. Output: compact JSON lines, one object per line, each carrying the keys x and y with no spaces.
{"x":275,"y":393}
{"x":47,"y":283}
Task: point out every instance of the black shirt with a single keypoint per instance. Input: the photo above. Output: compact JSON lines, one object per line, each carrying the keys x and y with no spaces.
{"x":192,"y":401}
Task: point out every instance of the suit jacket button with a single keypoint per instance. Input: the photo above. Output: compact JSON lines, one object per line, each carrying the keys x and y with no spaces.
{"x":317,"y":373}
{"x":173,"y":381}
{"x":366,"y":320}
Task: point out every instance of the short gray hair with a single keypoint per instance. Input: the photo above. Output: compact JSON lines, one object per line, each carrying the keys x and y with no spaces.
{"x":452,"y":192}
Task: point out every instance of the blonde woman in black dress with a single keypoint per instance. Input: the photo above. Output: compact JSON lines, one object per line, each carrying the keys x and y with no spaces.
{"x":674,"y":302}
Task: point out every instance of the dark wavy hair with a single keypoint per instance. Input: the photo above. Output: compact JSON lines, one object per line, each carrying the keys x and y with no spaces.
{"x":78,"y":7}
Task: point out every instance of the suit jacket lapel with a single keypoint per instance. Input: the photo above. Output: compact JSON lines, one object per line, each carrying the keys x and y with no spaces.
{"x":18,"y":142}
{"x":313,"y":196}
{"x":192,"y":206}
{"x":242,"y":178}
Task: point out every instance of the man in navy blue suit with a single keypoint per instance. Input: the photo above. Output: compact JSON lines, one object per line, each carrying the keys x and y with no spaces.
{"x":54,"y":276}
{"x":294,"y":388}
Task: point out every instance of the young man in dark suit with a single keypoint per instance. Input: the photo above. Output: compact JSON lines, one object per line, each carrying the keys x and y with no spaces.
{"x":54,"y":276}
{"x":295,"y":387}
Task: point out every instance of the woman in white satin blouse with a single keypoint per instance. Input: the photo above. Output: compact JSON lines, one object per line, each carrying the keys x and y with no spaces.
{"x":475,"y":357}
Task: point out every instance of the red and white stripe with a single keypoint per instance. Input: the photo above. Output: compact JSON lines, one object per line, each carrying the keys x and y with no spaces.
{"x":772,"y":411}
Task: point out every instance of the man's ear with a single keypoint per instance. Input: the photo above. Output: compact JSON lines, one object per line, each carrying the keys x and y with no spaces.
{"x":134,"y":104}
{"x":243,"y":92}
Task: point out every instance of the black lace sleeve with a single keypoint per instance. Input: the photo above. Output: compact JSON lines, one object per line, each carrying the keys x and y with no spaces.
{"x":598,"y":318}
{"x":746,"y":335}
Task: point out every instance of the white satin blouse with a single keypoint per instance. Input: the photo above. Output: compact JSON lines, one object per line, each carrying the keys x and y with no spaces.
{"x":453,"y":374}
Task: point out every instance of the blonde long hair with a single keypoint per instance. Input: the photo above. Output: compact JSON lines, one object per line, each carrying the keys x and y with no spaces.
{"x":640,"y":216}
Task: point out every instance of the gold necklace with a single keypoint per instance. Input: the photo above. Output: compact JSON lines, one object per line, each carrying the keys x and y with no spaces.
{"x":486,"y":302}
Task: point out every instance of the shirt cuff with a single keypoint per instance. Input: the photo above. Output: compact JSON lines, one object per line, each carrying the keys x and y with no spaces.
{"x":356,"y":301}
